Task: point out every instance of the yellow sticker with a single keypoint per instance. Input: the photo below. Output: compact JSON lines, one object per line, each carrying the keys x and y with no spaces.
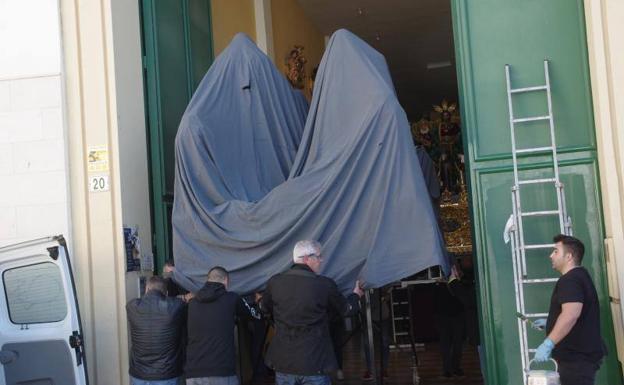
{"x":97,"y":159}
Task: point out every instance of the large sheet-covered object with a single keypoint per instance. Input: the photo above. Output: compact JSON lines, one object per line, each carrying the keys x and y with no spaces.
{"x":243,"y":198}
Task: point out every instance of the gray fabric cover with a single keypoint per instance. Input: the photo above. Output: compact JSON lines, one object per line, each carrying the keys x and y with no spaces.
{"x":249,"y":184}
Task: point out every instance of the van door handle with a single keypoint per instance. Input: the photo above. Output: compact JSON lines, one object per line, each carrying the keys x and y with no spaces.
{"x":7,"y":356}
{"x":75,"y":341}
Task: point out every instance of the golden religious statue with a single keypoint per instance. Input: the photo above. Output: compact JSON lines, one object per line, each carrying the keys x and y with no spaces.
{"x":450,"y":147}
{"x":295,"y":67}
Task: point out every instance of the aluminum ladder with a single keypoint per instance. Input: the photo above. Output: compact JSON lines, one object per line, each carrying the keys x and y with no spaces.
{"x":518,"y":245}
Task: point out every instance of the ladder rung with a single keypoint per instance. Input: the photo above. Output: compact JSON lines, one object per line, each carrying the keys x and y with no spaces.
{"x":543,"y":246}
{"x":534,"y":149}
{"x":399,"y":318}
{"x":540,"y":213}
{"x":536,"y":315}
{"x":528,"y":89}
{"x":532,"y":181}
{"x":399,"y":303}
{"x":401,"y":334}
{"x":531,"y":119}
{"x":540,"y":280}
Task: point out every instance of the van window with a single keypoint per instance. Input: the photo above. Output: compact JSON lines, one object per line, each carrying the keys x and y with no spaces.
{"x":35,"y":294}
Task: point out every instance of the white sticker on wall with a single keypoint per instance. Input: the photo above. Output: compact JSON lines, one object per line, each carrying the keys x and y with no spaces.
{"x":97,"y":159}
{"x":98,"y":183}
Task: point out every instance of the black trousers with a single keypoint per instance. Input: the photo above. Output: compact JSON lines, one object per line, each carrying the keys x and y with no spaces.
{"x":577,"y":372}
{"x":451,"y":329}
{"x":337,"y":334}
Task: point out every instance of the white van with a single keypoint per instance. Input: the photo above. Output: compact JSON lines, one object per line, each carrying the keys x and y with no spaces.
{"x":40,"y":331}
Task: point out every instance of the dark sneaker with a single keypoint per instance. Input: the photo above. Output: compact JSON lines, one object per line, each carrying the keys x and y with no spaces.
{"x":459,"y":373}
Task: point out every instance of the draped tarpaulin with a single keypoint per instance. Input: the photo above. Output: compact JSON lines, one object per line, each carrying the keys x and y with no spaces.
{"x":249,"y":184}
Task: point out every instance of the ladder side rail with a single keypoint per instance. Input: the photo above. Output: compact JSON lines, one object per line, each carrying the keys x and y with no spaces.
{"x":519,"y":301}
{"x":520,"y":271}
{"x":554,"y":148}
{"x":517,"y":206}
{"x":567,"y":219}
{"x":394,"y":336}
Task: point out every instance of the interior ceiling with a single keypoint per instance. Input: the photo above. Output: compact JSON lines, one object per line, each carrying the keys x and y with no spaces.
{"x":410,"y":33}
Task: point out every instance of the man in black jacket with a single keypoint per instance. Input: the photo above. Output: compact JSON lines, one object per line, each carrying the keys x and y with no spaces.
{"x":211,"y":353}
{"x":299,"y":300}
{"x":156,"y":331}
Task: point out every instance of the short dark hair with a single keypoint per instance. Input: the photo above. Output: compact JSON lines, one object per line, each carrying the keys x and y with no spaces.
{"x":156,"y":283}
{"x":169,"y":262}
{"x":218,"y":274}
{"x":571,"y":245}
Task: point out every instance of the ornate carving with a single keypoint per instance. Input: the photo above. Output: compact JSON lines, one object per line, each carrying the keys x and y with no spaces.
{"x":295,"y":67}
{"x":440,"y":135}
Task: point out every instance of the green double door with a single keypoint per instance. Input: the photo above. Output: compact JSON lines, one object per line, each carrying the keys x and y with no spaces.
{"x":488,"y":35}
{"x":177,"y":43}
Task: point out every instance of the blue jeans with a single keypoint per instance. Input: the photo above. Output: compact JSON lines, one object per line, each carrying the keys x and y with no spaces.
{"x":295,"y":379}
{"x":171,"y":381}
{"x":228,"y":380}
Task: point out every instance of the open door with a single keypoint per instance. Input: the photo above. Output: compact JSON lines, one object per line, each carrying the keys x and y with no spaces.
{"x":40,"y":330}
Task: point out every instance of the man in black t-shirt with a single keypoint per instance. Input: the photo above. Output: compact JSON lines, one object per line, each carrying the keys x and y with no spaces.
{"x":573,"y":325}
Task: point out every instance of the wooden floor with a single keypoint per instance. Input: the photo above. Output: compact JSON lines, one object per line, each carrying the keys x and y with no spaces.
{"x":400,"y":367}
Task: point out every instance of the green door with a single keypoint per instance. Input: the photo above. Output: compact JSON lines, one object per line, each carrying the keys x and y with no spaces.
{"x":177,"y":43}
{"x":488,"y":35}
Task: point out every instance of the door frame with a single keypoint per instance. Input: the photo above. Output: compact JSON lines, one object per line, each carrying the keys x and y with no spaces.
{"x":161,"y":202}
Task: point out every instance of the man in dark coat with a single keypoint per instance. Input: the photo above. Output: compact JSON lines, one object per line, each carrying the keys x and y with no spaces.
{"x":450,"y":322}
{"x":300,"y":301}
{"x":212,"y":314}
{"x":156,"y":331}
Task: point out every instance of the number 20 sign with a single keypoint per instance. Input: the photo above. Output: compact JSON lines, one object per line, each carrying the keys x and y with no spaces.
{"x":98,"y":183}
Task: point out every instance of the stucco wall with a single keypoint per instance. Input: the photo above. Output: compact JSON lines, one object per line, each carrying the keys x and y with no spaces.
{"x":34,"y":199}
{"x":291,"y":27}
{"x":230,"y":17}
{"x":606,"y":61}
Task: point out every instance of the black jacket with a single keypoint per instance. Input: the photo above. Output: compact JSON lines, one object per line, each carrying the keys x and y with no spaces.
{"x":211,"y":317}
{"x":156,"y":331}
{"x":299,"y":301}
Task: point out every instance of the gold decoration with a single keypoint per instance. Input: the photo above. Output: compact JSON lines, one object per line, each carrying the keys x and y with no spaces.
{"x":295,"y":67}
{"x":454,"y":209}
{"x":440,"y":136}
{"x":445,"y":107}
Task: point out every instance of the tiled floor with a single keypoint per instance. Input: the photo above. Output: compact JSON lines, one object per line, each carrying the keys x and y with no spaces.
{"x":401,"y":369}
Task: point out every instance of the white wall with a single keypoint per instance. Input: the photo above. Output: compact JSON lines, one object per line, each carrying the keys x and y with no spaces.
{"x":132,"y":133}
{"x":34,"y":200}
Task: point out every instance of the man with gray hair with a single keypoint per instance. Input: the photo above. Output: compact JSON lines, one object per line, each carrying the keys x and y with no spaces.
{"x":299,"y":300}
{"x":212,"y":314}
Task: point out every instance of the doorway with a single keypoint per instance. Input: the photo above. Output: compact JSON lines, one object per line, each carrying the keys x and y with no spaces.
{"x":420,"y":312}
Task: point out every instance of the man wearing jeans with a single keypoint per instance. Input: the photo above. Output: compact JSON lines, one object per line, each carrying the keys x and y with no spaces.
{"x":300,"y":301}
{"x":156,"y":333}
{"x":573,"y":325}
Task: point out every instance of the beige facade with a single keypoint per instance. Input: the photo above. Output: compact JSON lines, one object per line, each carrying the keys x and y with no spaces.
{"x":230,"y":17}
{"x":606,"y":59}
{"x":104,"y":108}
{"x":92,"y":106}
